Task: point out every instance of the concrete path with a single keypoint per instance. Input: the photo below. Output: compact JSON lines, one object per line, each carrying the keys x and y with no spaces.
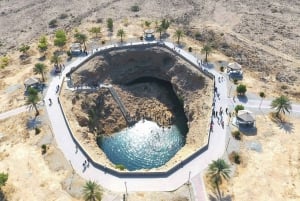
{"x":13,"y":112}
{"x":76,"y":158}
{"x":190,"y":172}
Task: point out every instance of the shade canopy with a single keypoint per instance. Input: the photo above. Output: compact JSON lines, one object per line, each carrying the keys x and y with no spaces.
{"x":245,"y":116}
{"x":234,"y":66}
{"x":75,"y":47}
{"x":31,"y":81}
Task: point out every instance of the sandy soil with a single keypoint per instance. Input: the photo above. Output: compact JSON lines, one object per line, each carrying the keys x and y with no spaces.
{"x":262,"y":35}
{"x":272,"y":174}
{"x":43,"y":177}
{"x":269,"y":174}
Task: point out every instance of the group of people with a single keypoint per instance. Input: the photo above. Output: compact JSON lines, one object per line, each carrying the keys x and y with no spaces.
{"x":218,"y":113}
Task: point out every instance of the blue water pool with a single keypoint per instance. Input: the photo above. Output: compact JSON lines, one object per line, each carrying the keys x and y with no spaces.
{"x":145,"y":145}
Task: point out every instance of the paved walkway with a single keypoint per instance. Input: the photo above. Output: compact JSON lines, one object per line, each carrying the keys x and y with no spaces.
{"x":189,"y":172}
{"x":76,"y":158}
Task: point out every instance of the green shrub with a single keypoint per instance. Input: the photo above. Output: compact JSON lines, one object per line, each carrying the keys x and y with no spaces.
{"x":63,"y":16}
{"x":53,"y":23}
{"x":190,"y":49}
{"x":238,"y":107}
{"x":135,"y":8}
{"x":44,"y":148}
{"x":103,"y":42}
{"x":235,"y":157}
{"x":69,"y":53}
{"x":3,"y":179}
{"x":110,"y":24}
{"x":4,"y":61}
{"x":235,"y":81}
{"x":222,"y":68}
{"x":37,"y":131}
{"x":120,"y":166}
{"x":241,"y":89}
{"x":236,"y":135}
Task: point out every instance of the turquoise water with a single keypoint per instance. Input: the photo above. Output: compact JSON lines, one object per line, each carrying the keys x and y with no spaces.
{"x":145,"y":145}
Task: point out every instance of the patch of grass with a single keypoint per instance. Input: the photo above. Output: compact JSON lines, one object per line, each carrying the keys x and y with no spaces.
{"x":4,"y":61}
{"x":120,"y":167}
{"x":237,"y":135}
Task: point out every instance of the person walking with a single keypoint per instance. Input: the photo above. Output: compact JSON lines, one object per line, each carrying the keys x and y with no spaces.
{"x":50,"y":102}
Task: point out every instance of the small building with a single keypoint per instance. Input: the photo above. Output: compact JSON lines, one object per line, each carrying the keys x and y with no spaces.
{"x":149,"y":34}
{"x":75,"y":48}
{"x":234,"y":70}
{"x":31,"y":82}
{"x":245,"y":117}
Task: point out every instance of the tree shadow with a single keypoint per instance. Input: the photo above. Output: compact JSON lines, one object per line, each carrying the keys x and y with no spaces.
{"x":2,"y":196}
{"x":243,"y":99}
{"x":215,"y":197}
{"x":34,"y":122}
{"x":286,"y":126}
{"x":282,"y":122}
{"x":42,"y":58}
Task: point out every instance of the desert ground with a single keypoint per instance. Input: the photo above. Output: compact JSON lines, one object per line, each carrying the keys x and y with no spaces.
{"x":263,"y":36}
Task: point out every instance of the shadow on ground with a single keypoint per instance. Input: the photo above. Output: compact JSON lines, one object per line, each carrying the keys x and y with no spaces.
{"x":243,"y":99}
{"x":282,"y":123}
{"x":215,"y":197}
{"x":2,"y":196}
{"x":248,"y":130}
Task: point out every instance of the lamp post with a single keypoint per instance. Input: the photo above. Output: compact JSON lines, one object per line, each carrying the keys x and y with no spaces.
{"x":126,"y":189}
{"x":189,"y":179}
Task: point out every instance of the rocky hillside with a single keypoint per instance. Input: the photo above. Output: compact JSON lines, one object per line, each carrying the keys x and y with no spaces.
{"x":262,"y":35}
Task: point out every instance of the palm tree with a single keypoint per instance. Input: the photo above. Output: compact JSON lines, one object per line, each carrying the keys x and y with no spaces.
{"x":217,"y":171}
{"x":92,"y":191}
{"x":281,"y":104}
{"x":55,"y":59}
{"x":40,"y":68}
{"x":178,"y":35}
{"x":262,"y":95}
{"x":32,"y":99}
{"x":121,"y":34}
{"x":207,"y":50}
{"x":96,"y":31}
{"x":160,"y":29}
{"x":82,"y":38}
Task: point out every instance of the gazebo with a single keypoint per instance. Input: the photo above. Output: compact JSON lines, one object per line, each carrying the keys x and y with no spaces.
{"x":245,"y":117}
{"x":31,"y":82}
{"x":75,"y":48}
{"x":235,"y":70}
{"x":149,"y":34}
{"x":234,"y":67}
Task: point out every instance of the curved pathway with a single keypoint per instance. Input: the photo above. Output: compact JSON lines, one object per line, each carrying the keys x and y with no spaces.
{"x":76,"y":157}
{"x":191,"y":172}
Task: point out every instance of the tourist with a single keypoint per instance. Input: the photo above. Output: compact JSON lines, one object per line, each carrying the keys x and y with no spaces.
{"x":50,"y":102}
{"x":57,"y":88}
